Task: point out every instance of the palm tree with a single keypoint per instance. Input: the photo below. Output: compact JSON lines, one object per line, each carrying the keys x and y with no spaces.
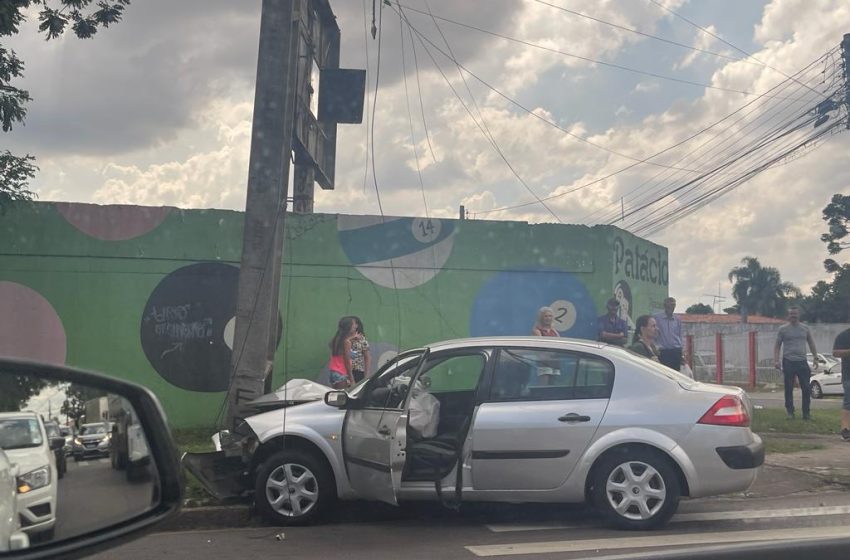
{"x":759,"y":289}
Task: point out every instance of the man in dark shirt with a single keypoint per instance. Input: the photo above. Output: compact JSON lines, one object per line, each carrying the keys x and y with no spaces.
{"x":610,"y":328}
{"x":841,"y":349}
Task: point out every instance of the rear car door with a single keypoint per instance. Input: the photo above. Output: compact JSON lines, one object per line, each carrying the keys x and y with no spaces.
{"x":543,"y":410}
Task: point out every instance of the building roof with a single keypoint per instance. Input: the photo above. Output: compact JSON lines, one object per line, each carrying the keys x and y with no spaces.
{"x":727,"y":319}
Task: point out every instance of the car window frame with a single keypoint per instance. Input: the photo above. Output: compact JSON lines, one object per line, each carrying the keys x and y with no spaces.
{"x":490,"y":398}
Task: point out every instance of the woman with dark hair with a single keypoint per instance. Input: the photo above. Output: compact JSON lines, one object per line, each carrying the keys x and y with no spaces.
{"x":643,"y":342}
{"x":339,"y":366}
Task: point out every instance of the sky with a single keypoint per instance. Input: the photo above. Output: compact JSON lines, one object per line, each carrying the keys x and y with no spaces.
{"x":157,"y":111}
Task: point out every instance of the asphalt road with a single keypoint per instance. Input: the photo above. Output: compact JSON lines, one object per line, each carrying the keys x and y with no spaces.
{"x":776,"y":399}
{"x":93,"y":495}
{"x":804,"y":507}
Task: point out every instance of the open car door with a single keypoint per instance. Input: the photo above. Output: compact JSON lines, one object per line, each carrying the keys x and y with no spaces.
{"x":375,"y":430}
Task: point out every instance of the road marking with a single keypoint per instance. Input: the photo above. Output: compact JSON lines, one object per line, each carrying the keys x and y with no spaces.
{"x":652,"y":541}
{"x":691,"y":517}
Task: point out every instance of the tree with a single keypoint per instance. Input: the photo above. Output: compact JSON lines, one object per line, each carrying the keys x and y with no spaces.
{"x":700,"y":309}
{"x":16,"y":391}
{"x":829,"y":302}
{"x":54,"y":18}
{"x":837,"y":216}
{"x":76,"y":397}
{"x":760,"y":290}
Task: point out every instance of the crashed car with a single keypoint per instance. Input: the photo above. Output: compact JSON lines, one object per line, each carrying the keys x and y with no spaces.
{"x":525,"y":419}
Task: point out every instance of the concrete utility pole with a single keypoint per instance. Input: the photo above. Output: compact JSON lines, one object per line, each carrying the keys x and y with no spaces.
{"x":265,"y":208}
{"x":293,"y":35}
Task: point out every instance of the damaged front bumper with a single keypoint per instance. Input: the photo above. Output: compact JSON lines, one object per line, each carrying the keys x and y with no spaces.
{"x":225,"y":473}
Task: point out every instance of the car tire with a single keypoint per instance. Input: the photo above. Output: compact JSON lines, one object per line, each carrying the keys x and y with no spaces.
{"x":636,"y":489}
{"x":817,"y":390}
{"x":312,"y":481}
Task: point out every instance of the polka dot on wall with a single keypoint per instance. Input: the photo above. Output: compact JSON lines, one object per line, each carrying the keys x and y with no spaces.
{"x":30,"y":328}
{"x":117,"y":222}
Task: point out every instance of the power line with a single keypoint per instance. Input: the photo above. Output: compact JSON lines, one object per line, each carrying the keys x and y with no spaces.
{"x":483,"y":129}
{"x":423,"y":39}
{"x":588,"y":59}
{"x":644,"y":34}
{"x":719,"y":38}
{"x":421,"y":104}
{"x":410,"y":116}
{"x":614,"y":213}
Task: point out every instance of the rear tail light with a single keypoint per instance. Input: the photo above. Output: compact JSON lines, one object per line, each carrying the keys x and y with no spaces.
{"x":728,"y":411}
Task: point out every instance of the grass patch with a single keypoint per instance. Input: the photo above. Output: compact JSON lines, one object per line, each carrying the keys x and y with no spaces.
{"x":773,"y":420}
{"x":783,"y":445}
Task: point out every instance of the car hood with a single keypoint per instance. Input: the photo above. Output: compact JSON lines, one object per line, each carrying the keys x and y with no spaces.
{"x":92,"y":437}
{"x":28,"y":459}
{"x":294,"y":391}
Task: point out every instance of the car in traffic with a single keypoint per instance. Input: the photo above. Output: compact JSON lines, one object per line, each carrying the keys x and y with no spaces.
{"x":473,"y":420}
{"x":11,"y":536}
{"x":827,"y":379}
{"x":24,"y":439}
{"x":93,"y":440}
{"x":54,"y":432}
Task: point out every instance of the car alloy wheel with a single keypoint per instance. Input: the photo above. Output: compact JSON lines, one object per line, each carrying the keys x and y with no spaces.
{"x":817,"y":391}
{"x":294,"y":487}
{"x":292,"y":490}
{"x":636,"y":488}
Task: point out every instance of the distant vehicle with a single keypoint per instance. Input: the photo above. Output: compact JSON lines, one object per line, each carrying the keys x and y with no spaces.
{"x":476,"y":423}
{"x":53,"y":432}
{"x":11,"y":536}
{"x":705,"y":367}
{"x":25,"y":441}
{"x":93,"y":440}
{"x":825,"y":361}
{"x":68,"y":434}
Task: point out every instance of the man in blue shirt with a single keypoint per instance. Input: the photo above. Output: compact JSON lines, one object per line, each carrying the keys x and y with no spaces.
{"x":669,"y":338}
{"x":610,"y":328}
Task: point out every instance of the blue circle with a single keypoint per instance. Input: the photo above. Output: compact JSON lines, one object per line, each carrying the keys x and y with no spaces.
{"x":508,"y":303}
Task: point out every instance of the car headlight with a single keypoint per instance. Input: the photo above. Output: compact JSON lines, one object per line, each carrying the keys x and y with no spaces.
{"x":77,"y":441}
{"x":33,"y":480}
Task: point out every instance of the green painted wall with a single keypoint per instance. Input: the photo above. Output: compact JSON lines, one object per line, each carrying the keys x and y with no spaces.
{"x":108,"y":275}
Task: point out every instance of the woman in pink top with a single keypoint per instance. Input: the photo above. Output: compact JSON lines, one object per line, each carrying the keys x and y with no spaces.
{"x":339,"y":365}
{"x":546,"y":372}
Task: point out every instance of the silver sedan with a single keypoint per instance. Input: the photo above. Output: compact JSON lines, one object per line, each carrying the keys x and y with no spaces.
{"x":525,"y":419}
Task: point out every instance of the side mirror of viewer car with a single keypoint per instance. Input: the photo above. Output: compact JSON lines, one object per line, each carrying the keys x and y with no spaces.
{"x":337,"y":399}
{"x":129,"y":475}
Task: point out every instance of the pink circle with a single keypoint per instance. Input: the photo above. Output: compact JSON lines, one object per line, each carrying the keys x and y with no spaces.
{"x":30,"y":328}
{"x":116,"y":222}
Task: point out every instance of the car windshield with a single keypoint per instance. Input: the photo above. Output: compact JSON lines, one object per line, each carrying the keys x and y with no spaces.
{"x":93,"y":429}
{"x":19,"y":433}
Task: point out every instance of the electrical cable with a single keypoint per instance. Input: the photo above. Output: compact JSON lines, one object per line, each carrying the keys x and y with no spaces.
{"x":410,"y":116}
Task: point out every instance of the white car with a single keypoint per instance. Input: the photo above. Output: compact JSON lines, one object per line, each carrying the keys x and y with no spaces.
{"x":827,"y":380}
{"x":25,"y":442}
{"x":529,"y":419}
{"x":11,"y":536}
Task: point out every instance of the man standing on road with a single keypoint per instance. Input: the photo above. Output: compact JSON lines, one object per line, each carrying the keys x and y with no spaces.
{"x":610,"y":328}
{"x":792,"y":338}
{"x":669,"y":335}
{"x":841,"y":349}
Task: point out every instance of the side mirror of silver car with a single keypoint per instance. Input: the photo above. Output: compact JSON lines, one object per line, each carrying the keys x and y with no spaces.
{"x":130,"y":476}
{"x":337,"y":399}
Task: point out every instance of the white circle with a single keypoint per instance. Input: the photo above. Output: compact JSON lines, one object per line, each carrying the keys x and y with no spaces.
{"x":386,"y":357}
{"x":229,"y":332}
{"x":426,"y":230}
{"x":565,"y":315}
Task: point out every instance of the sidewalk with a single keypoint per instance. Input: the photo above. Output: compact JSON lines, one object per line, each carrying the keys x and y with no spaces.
{"x":831,"y":464}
